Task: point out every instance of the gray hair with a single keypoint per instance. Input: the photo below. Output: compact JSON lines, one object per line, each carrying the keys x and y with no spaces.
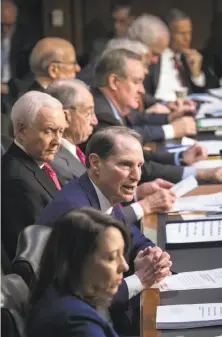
{"x":27,"y":107}
{"x":103,"y":142}
{"x":111,"y":62}
{"x":67,"y":91}
{"x":175,"y":14}
{"x":147,"y":29}
{"x":125,"y":43}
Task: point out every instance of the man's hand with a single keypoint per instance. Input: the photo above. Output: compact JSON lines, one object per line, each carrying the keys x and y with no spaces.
{"x":194,"y":153}
{"x":210,"y":174}
{"x":158,"y":108}
{"x":194,"y":61}
{"x":179,"y":107}
{"x":160,"y":201}
{"x":148,"y":188}
{"x":152,"y":265}
{"x":184,"y":126}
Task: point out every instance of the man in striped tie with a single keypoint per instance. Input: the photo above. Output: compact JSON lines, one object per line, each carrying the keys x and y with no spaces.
{"x":28,"y":180}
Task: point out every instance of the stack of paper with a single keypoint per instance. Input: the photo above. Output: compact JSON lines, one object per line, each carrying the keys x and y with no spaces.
{"x":188,"y":316}
{"x":209,"y":202}
{"x":194,"y":232}
{"x":213,"y":146}
{"x":204,"y":279}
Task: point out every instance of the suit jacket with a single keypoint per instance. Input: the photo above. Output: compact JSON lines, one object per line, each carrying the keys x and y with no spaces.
{"x":55,"y":315}
{"x":147,"y":124}
{"x":68,"y":167}
{"x":26,"y":190}
{"x":152,"y":79}
{"x":153,"y":167}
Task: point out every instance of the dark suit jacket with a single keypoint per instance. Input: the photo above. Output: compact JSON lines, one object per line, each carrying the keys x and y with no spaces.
{"x":68,"y":167}
{"x":26,"y":190}
{"x":147,"y":124}
{"x":59,"y":316}
{"x":152,"y":79}
{"x":80,"y":192}
{"x":153,"y":167}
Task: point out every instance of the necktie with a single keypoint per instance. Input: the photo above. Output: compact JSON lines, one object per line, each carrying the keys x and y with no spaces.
{"x":52,"y":175}
{"x":179,"y":67}
{"x":81,"y":155}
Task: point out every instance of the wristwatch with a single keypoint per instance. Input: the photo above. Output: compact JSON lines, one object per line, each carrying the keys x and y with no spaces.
{"x":181,"y":159}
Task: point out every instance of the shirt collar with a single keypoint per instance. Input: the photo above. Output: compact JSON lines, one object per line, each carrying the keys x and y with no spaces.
{"x":104,"y":202}
{"x":68,"y":145}
{"x":40,"y":164}
{"x":114,"y":110}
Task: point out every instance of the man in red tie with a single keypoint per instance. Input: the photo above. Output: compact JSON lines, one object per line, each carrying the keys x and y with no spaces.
{"x":28,"y":180}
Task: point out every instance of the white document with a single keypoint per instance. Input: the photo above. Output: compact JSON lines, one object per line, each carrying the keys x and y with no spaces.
{"x":187,"y":141}
{"x":192,"y":280}
{"x":204,"y":98}
{"x":188,"y":315}
{"x":185,"y":186}
{"x":194,"y":232}
{"x":217,"y":92}
{"x":212,"y":163}
{"x":212,"y":146}
{"x":208,"y":202}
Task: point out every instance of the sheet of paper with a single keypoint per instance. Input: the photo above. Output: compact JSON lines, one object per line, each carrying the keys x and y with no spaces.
{"x":217,"y":92}
{"x":192,"y":280}
{"x":211,"y":163}
{"x":187,"y":141}
{"x":209,"y":202}
{"x":195,"y":231}
{"x":188,"y":315}
{"x":204,"y":98}
{"x":212,"y":146}
{"x":185,"y":186}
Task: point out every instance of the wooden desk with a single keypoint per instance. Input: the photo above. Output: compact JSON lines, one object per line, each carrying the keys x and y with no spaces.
{"x":150,"y":298}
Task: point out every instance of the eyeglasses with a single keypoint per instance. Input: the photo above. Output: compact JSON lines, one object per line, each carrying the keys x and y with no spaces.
{"x":88,"y":112}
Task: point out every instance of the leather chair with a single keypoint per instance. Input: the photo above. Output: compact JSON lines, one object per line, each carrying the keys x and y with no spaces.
{"x":30,"y":246}
{"x":14,"y":300}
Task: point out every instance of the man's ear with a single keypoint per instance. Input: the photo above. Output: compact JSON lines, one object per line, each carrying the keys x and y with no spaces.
{"x":113,"y":82}
{"x":94,"y":161}
{"x":67,"y":116}
{"x":21,"y":130}
{"x":53,"y":70}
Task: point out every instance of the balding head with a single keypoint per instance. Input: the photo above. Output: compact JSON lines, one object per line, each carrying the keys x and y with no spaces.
{"x":54,"y":58}
{"x":8,"y":17}
{"x":39,"y":121}
{"x":78,"y":105}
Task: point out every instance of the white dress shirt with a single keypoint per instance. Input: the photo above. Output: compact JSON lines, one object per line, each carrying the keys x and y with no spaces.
{"x":5,"y":59}
{"x":169,"y":80}
{"x":133,"y":282}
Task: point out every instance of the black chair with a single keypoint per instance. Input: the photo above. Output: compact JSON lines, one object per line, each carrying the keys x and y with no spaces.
{"x":30,"y":246}
{"x":14,"y":300}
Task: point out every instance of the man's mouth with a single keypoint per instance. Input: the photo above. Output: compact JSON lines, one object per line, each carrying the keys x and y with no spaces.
{"x":129,"y":189}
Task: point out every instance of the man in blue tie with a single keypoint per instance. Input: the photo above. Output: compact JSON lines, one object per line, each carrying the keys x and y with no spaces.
{"x":114,"y":158}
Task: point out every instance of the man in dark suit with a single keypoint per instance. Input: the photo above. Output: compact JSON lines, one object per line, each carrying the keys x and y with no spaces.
{"x":28,"y":181}
{"x":178,"y":66}
{"x":119,"y":78}
{"x":69,"y":162}
{"x":114,"y":158}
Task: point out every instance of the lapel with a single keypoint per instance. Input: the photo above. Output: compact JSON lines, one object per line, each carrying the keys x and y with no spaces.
{"x":152,"y":78}
{"x":156,"y":74}
{"x":186,"y":72}
{"x":32,"y":166}
{"x":103,"y":109}
{"x":89,"y":189}
{"x":73,"y":164}
{"x":36,"y":86}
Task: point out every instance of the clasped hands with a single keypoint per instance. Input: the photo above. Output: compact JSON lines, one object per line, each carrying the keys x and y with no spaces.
{"x":152,"y":265}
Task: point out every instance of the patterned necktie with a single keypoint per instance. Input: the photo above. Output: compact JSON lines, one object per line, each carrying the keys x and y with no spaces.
{"x":81,"y":155}
{"x":52,"y":175}
{"x":179,"y":67}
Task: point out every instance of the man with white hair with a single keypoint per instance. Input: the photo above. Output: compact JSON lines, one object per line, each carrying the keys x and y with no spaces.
{"x":28,"y":181}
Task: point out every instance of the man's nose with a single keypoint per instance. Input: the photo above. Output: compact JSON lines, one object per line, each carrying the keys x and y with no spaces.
{"x":94,"y":120}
